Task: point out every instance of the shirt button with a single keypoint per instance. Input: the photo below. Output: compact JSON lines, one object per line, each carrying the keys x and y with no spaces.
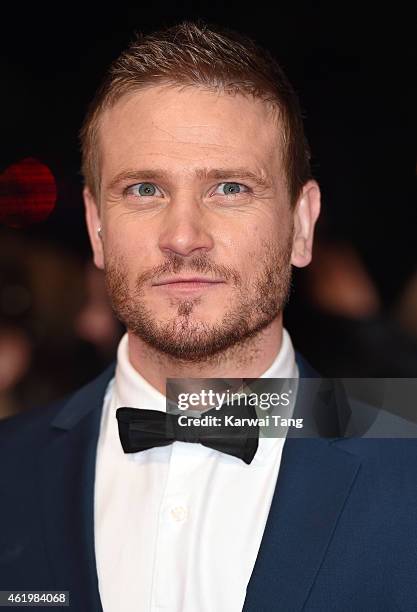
{"x":179,"y":514}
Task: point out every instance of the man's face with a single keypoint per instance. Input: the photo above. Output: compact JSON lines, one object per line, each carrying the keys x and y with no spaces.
{"x":193,"y":187}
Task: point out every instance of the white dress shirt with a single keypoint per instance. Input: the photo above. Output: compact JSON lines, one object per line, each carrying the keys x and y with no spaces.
{"x":178,"y":527}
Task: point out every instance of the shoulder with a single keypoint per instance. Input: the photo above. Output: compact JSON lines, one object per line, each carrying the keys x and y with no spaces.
{"x":369,"y":439}
{"x":389,"y":454}
{"x":31,"y":427}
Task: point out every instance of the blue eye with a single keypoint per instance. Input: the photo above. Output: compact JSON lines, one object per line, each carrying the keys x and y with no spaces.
{"x":232,"y":188}
{"x":144,"y":189}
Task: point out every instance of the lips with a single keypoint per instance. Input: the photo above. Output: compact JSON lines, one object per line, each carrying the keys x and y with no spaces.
{"x":192,"y":279}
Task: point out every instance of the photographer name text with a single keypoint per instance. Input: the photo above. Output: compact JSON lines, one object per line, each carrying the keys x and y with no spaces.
{"x":233,"y":421}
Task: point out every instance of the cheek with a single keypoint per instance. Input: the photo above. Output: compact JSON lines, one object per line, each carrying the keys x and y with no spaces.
{"x":256,"y":239}
{"x":249,"y":249}
{"x":121,"y":257}
{"x":246,"y":243}
{"x":130,"y":246}
{"x":262,"y":246}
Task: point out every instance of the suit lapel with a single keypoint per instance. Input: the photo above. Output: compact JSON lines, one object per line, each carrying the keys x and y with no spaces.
{"x":67,"y":475}
{"x":314,"y":482}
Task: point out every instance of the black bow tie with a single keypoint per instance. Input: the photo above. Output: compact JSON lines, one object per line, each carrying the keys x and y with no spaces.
{"x":141,"y":429}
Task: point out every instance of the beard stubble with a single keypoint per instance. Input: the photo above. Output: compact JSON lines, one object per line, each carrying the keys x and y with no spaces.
{"x":183,"y":336}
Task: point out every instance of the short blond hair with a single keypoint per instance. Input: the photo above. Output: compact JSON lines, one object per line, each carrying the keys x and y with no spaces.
{"x":204,"y":56}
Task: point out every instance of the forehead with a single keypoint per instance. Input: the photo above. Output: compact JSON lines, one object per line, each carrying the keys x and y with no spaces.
{"x":186,"y":127}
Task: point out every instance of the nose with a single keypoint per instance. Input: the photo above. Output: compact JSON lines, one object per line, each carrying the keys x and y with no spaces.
{"x":185,"y":228}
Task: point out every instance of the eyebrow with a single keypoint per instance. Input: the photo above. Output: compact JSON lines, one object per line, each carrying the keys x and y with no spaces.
{"x":259,"y":178}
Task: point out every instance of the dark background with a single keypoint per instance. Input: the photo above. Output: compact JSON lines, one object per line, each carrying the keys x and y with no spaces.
{"x":352,"y":65}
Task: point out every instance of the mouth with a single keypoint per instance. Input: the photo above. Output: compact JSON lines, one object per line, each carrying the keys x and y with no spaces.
{"x":188,"y":284}
{"x":191,"y":279}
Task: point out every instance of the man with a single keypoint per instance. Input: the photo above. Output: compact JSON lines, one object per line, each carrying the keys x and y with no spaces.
{"x":199,"y":199}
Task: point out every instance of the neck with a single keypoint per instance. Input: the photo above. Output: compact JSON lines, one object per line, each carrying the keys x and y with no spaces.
{"x":247,"y":359}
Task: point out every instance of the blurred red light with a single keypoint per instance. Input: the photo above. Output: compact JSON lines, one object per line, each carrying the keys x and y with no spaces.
{"x":27,"y":193}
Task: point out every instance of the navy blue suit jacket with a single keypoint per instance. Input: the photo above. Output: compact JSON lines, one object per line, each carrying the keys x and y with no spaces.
{"x":341,"y":533}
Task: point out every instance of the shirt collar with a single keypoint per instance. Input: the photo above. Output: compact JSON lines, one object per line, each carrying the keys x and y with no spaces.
{"x":131,"y":388}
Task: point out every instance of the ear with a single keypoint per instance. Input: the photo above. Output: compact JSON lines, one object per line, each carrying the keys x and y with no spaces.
{"x":92,"y":218}
{"x":306,"y":213}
